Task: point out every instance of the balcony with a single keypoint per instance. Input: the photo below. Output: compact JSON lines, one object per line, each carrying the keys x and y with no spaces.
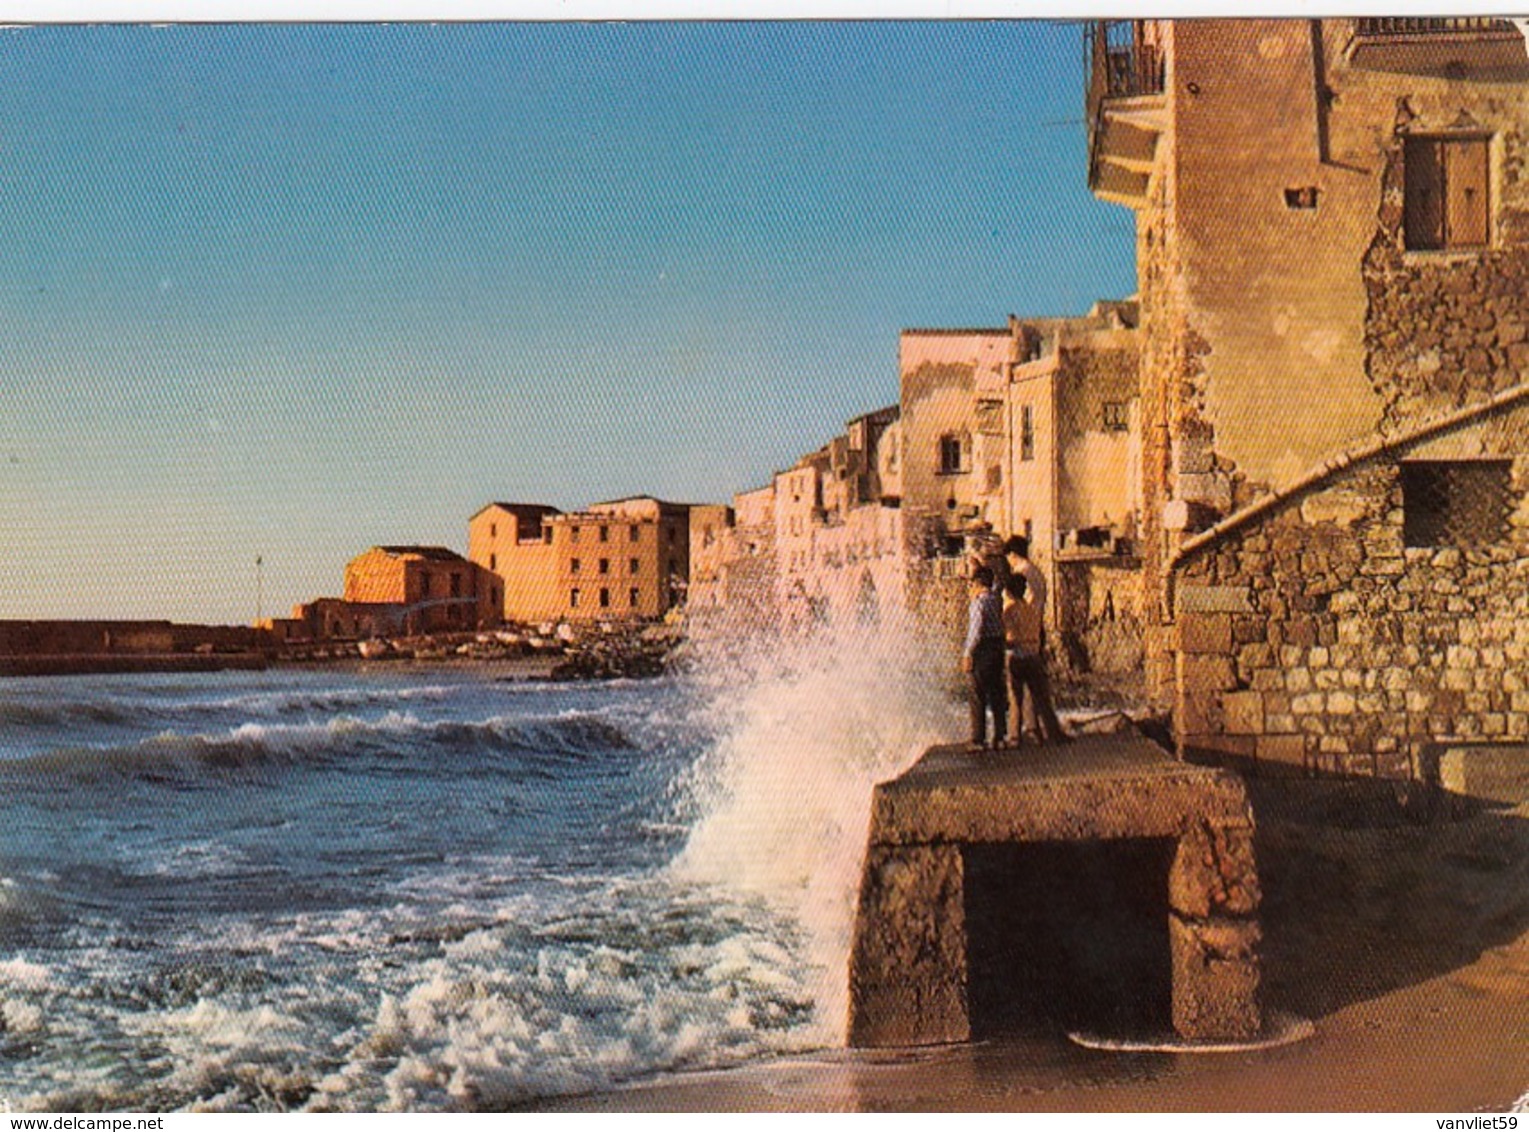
{"x":1124,"y":108}
{"x":1454,"y":47}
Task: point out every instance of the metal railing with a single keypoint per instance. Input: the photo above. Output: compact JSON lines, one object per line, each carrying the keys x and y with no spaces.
{"x":1422,"y":27}
{"x":1119,"y":63}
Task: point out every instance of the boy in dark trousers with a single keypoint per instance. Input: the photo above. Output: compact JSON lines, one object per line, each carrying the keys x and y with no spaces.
{"x":983,"y":658}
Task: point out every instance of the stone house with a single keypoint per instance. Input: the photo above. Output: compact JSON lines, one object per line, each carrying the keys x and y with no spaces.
{"x":335,"y":619}
{"x":1030,"y":429}
{"x":709,"y":527}
{"x":513,"y":541}
{"x":437,"y":590}
{"x":1333,"y":259}
{"x":619,"y":559}
{"x":746,"y":576}
{"x":838,"y":525}
{"x":823,"y":540}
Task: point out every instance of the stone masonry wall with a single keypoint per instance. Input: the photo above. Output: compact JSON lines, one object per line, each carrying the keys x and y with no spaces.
{"x":1314,"y":641}
{"x":1443,"y":330}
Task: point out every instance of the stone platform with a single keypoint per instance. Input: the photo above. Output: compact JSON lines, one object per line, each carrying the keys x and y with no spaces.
{"x":1154,"y":851}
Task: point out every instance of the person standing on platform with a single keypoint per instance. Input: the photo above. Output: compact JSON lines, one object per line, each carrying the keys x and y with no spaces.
{"x":1022,"y":632}
{"x":983,"y":658}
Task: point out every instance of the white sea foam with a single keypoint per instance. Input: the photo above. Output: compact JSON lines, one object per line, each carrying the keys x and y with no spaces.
{"x":19,"y":974}
{"x":810,"y":726}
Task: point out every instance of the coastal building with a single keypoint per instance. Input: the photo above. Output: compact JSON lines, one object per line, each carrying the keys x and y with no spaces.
{"x":1333,"y":260}
{"x":436,"y":589}
{"x":709,"y":527}
{"x":623,"y":558}
{"x":748,"y":571}
{"x":1030,"y":429}
{"x":513,"y":542}
{"x":838,"y":525}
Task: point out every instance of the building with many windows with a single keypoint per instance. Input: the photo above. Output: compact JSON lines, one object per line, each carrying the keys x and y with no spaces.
{"x":624,"y":558}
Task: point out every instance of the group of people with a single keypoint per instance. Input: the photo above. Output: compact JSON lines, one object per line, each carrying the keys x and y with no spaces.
{"x":1006,"y":646}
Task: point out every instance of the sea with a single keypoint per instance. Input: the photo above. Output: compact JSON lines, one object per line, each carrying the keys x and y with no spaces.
{"x":398,"y":887}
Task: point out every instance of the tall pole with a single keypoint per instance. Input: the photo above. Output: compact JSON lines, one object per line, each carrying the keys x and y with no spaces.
{"x":259,"y":590}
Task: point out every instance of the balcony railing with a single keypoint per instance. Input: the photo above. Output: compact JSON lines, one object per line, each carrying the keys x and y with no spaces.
{"x":1426,"y":27}
{"x":1120,"y":63}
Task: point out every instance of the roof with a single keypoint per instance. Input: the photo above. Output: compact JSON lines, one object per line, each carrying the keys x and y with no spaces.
{"x":433,"y":553}
{"x":519,"y":510}
{"x":940,"y":331}
{"x":889,"y":414}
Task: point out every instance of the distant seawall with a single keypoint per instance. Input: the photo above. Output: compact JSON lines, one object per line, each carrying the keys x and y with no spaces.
{"x":50,"y":648}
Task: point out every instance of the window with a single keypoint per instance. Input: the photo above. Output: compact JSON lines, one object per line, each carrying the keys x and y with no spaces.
{"x":1302,"y":197}
{"x":1446,"y":189}
{"x":547,"y":535}
{"x":605,"y":598}
{"x":573,"y":598}
{"x":952,"y":455}
{"x":605,"y":534}
{"x":1116,"y":418}
{"x":605,"y":565}
{"x":424,"y":585}
{"x":632,"y":532}
{"x":573,"y":565}
{"x":633,"y":565}
{"x":493,"y":530}
{"x":632,"y":596}
{"x":573,"y":534}
{"x":1456,"y":503}
{"x":1027,"y":432}
{"x":493,"y":562}
{"x":989,"y":417}
{"x":456,"y":585}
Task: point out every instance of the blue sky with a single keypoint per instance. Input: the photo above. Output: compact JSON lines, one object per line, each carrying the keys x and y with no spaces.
{"x":296,"y":290}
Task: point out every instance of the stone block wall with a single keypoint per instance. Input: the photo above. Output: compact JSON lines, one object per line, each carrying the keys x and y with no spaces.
{"x":1314,"y":641}
{"x":1444,"y":329}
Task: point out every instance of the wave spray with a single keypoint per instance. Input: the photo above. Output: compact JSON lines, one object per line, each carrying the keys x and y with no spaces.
{"x":809,"y":724}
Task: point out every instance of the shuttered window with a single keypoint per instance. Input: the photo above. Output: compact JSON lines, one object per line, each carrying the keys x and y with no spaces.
{"x":1448,"y":193}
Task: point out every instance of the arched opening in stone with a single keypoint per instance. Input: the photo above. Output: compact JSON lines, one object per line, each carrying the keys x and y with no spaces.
{"x":1068,"y":936}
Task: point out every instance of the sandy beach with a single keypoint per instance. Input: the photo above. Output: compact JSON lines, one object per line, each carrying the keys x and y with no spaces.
{"x":1401,"y":931}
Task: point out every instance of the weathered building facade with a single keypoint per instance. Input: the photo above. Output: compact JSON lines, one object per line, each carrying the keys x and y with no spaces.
{"x":624,"y":558}
{"x":1333,"y":257}
{"x":435,"y":589}
{"x":1029,"y":430}
{"x":513,"y":542}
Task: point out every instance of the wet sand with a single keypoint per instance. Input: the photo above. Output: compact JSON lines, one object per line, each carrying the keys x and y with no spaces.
{"x":1401,"y":932}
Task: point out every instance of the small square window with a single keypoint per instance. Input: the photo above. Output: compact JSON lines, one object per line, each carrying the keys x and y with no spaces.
{"x":1460,"y":503}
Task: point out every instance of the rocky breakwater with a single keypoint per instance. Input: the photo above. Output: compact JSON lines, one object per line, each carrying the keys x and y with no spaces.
{"x":547,"y":650}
